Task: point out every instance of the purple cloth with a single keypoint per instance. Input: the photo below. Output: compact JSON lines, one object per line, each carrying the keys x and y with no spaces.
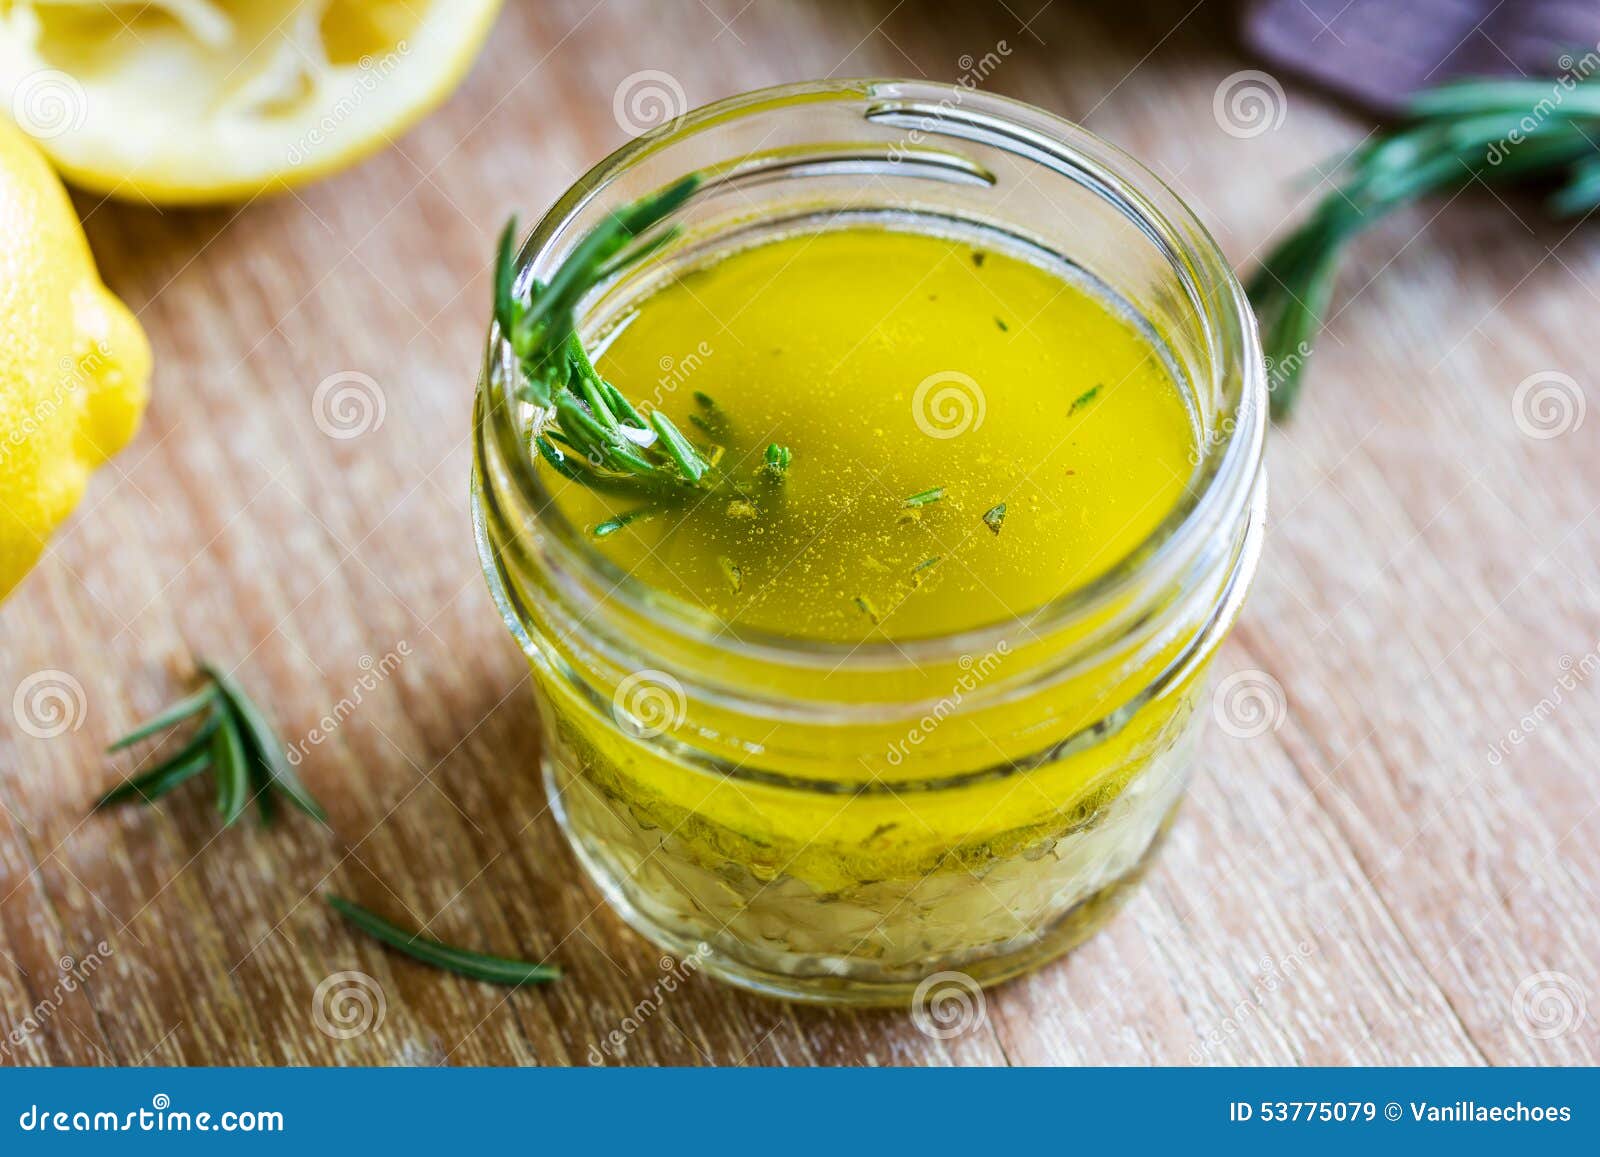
{"x":1378,"y":52}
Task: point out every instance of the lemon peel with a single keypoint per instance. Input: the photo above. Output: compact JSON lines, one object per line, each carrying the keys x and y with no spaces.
{"x":204,"y":101}
{"x":74,"y":363}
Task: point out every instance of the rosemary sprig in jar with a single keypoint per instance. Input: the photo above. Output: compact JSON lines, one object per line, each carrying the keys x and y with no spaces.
{"x":1509,"y":132}
{"x":584,"y":427}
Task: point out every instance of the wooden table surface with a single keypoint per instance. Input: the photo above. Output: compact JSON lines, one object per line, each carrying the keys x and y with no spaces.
{"x":1382,"y":877}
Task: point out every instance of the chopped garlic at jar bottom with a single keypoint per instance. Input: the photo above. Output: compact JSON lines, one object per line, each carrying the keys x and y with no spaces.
{"x":884,"y":932}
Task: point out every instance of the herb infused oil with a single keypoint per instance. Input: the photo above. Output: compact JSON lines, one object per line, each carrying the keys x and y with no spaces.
{"x":960,"y":435}
{"x":869,"y":561}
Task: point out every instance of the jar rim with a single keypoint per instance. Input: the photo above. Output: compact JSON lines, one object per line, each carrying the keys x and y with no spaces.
{"x":1231,"y":459}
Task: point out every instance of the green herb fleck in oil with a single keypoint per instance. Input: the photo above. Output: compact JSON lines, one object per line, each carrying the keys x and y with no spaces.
{"x":611,"y":525}
{"x":710,"y":417}
{"x":995,"y":517}
{"x":1082,"y":400}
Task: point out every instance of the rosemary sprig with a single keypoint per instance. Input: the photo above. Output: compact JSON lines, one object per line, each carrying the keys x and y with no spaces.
{"x":234,"y":742}
{"x":585,"y":428}
{"x":1509,"y":132}
{"x":712,"y":418}
{"x":477,"y":965}
{"x":611,"y":525}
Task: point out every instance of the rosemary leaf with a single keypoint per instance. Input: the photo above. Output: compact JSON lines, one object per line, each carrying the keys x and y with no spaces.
{"x":476,"y":965}
{"x":158,"y":781}
{"x":228,"y":765}
{"x":505,"y":278}
{"x":778,"y":459}
{"x":924,"y":498}
{"x":619,"y":402}
{"x":617,"y":444}
{"x":235,"y":742}
{"x":1504,"y":132}
{"x":258,"y":738}
{"x":679,"y":448}
{"x":1083,"y":400}
{"x":611,"y":525}
{"x":173,"y":715}
{"x":594,"y":397}
{"x":261,"y":791}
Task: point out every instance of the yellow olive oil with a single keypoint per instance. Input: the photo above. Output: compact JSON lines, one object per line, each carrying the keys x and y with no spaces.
{"x":963,"y":436}
{"x":912,"y":436}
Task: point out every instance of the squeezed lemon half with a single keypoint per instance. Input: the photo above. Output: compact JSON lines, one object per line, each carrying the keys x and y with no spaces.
{"x":194,"y":101}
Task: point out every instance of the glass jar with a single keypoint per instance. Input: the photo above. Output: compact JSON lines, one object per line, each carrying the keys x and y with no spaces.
{"x":839,"y":823}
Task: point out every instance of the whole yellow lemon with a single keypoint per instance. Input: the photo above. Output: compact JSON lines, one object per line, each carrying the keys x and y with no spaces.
{"x":74,"y":364}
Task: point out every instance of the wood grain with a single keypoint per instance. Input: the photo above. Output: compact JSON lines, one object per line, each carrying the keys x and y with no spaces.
{"x":1362,"y":884}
